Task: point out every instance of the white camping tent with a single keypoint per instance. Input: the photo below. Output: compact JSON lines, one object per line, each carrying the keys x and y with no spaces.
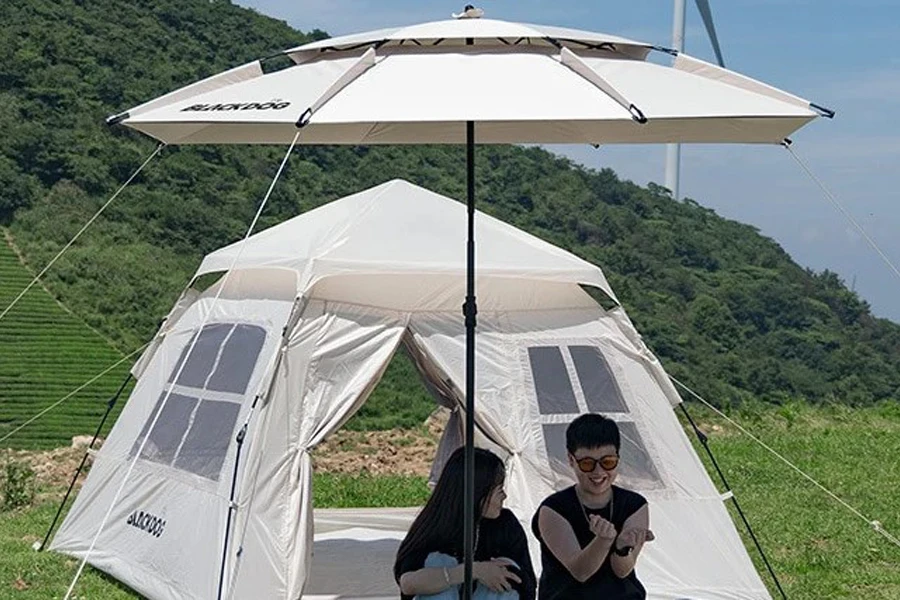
{"x":304,"y":328}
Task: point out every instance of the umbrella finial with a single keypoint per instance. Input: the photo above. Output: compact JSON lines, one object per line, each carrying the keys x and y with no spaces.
{"x":468,"y":12}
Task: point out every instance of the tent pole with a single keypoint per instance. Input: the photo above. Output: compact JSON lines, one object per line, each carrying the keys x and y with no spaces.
{"x":231,"y":504}
{"x":109,"y":406}
{"x":469,"y":311}
{"x":704,"y":441}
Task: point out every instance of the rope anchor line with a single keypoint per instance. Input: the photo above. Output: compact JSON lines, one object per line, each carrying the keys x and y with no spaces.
{"x":840,"y":207}
{"x":874,"y":524}
{"x":82,"y":230}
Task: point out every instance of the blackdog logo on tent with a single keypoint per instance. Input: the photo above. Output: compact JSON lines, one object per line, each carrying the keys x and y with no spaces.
{"x":147,"y":522}
{"x":270,"y":105}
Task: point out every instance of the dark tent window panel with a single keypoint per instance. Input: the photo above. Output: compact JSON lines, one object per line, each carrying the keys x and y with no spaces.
{"x":203,"y":356}
{"x":193,"y":432}
{"x":233,"y":367}
{"x":636,"y":462}
{"x":551,"y":381}
{"x":601,"y":392}
{"x":204,"y":448}
{"x":164,"y":439}
{"x":555,"y":439}
{"x":238,"y":359}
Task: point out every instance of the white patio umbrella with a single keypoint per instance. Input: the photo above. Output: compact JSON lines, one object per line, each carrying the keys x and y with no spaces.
{"x":519,"y":83}
{"x":474,"y":80}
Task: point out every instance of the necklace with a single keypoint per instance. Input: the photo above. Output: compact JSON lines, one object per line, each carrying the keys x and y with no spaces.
{"x":612,"y":497}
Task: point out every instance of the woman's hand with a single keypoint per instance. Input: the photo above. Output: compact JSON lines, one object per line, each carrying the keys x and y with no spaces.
{"x":495,"y":575}
{"x":602,"y":528}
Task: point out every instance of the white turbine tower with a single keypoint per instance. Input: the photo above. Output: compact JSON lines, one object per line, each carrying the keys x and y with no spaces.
{"x":673,"y":151}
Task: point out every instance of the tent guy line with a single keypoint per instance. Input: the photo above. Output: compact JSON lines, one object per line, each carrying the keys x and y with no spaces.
{"x":836,"y":203}
{"x":181,"y":367}
{"x":90,"y":221}
{"x":729,"y":492}
{"x":874,"y":524}
{"x":70,"y":394}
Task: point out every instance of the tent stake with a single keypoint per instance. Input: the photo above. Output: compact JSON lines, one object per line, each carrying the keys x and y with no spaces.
{"x":109,"y":406}
{"x":704,"y":440}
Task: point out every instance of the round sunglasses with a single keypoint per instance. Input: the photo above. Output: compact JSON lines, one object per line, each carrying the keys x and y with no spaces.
{"x":587,"y":464}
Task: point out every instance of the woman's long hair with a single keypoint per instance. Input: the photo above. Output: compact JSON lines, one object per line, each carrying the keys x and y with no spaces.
{"x":439,"y":526}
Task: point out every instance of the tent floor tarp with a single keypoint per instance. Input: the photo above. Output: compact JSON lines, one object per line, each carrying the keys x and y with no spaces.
{"x":353,"y":553}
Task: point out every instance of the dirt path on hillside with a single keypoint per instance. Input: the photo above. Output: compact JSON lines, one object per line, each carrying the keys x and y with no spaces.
{"x":11,"y":242}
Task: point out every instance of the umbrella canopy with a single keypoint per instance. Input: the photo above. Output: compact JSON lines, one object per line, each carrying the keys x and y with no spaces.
{"x":520,"y":83}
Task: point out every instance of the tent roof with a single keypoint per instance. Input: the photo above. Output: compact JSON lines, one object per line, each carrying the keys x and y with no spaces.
{"x":400,"y":228}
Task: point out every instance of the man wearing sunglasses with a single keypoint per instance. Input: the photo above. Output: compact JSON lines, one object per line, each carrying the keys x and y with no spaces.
{"x":592,"y":533}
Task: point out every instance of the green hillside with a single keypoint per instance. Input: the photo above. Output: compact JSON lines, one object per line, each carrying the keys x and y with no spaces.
{"x":725,"y":308}
{"x":46,"y":354}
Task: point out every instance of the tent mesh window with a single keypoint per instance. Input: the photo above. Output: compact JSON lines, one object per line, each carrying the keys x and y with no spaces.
{"x":197,"y":421}
{"x":570,"y":380}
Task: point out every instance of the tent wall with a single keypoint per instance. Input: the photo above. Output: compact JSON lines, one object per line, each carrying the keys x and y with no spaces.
{"x":166,"y":528}
{"x":334,"y":357}
{"x":538,"y":370}
{"x":417,"y":293}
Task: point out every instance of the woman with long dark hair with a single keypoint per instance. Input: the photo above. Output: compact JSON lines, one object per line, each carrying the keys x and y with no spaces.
{"x":429,"y":560}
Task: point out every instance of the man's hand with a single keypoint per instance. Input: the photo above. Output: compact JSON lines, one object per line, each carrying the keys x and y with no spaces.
{"x":602,"y":528}
{"x":634,"y":536}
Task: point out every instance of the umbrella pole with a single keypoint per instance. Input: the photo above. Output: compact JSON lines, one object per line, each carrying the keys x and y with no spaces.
{"x":469,"y":311}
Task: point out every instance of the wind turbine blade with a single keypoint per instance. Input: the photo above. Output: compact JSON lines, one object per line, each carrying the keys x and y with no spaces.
{"x":706,"y":13}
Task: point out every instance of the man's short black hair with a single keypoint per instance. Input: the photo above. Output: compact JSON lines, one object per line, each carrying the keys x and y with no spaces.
{"x":592,"y":431}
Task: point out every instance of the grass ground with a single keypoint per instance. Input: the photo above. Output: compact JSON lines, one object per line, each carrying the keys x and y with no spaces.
{"x":819,"y":549}
{"x":29,"y":575}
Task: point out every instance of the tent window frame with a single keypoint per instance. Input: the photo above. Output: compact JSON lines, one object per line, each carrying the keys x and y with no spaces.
{"x":646,"y":471}
{"x":224,"y":385}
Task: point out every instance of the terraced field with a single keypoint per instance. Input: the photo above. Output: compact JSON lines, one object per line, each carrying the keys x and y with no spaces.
{"x":45,"y":354}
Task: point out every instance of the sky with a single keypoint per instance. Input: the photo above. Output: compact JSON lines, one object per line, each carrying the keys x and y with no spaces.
{"x":839,"y":54}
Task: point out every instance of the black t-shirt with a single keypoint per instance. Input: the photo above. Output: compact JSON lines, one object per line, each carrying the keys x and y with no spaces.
{"x":556,"y":581}
{"x":500,"y":537}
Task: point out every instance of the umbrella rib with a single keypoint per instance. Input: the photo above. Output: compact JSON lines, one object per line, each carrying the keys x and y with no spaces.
{"x":573,"y":62}
{"x":664,"y":50}
{"x":365,"y":62}
{"x":608,"y":46}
